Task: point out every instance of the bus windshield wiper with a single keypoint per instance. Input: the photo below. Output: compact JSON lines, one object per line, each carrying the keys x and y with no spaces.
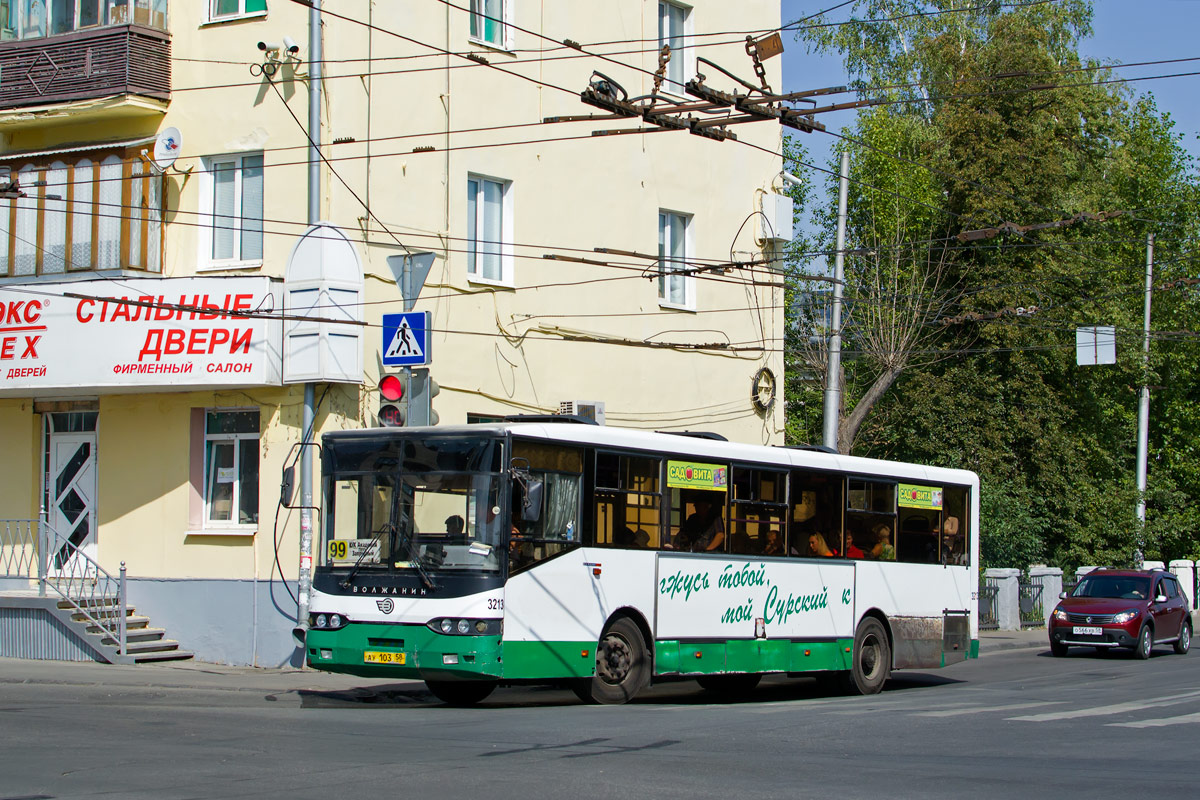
{"x":414,"y":559}
{"x":345,"y":582}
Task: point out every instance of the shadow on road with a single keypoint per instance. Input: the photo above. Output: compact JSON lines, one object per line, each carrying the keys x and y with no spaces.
{"x":682,"y":692}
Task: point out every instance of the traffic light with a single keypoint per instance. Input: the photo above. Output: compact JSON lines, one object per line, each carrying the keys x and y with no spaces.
{"x":391,"y":401}
{"x":422,"y":391}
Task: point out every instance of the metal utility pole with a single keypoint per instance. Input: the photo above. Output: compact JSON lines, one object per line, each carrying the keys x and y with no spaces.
{"x":1143,"y":443}
{"x":833,"y":383}
{"x":304,"y":579}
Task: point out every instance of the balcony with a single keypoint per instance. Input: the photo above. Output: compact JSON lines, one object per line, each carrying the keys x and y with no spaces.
{"x":113,"y":61}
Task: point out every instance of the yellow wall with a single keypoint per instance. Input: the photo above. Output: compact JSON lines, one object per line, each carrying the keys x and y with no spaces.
{"x":563,"y":331}
{"x":19,"y":438}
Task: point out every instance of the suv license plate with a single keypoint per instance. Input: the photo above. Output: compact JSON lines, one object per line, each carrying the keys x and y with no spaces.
{"x":377,"y":657}
{"x":1080,"y":630}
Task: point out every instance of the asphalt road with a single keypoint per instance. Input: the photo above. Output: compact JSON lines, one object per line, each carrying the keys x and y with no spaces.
{"x":1010,"y":723}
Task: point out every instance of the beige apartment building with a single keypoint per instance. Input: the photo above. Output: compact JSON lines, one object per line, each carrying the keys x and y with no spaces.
{"x":153,"y":337}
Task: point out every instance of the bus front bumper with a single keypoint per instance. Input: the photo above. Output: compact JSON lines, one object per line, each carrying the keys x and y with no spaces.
{"x":403,"y":651}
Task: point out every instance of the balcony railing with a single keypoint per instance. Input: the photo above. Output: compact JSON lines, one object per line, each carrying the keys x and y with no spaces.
{"x":84,"y":65}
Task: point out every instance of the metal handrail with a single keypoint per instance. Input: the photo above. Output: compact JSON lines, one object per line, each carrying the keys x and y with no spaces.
{"x":86,"y":585}
{"x":18,"y":548}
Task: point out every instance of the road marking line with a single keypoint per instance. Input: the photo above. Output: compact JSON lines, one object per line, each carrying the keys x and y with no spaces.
{"x":1104,"y":711}
{"x":955,"y":712}
{"x":1185,"y":719}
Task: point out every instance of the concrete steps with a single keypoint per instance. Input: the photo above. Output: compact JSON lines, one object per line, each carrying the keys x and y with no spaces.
{"x":143,"y":644}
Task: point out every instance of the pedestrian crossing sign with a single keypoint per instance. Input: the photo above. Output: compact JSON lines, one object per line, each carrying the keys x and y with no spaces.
{"x":406,"y":339}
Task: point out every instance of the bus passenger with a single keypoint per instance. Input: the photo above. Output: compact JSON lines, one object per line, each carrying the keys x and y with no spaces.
{"x":851,"y":550}
{"x":703,"y":530}
{"x":883,"y":549}
{"x":818,"y":546}
{"x":774,"y":544}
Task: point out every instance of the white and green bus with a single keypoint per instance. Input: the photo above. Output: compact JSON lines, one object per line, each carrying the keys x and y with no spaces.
{"x":547,"y":551}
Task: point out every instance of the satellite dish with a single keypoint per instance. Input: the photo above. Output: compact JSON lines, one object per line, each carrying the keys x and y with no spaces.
{"x":166,"y":148}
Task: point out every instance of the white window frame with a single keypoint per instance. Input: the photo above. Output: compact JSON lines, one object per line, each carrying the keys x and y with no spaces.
{"x":211,"y":16}
{"x":506,"y":31}
{"x":507,"y":257}
{"x":205,"y":260}
{"x":233,"y":523}
{"x":685,"y":58}
{"x":668,"y":268}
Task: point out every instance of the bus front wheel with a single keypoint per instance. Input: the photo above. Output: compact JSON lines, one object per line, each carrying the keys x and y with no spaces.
{"x":460,"y":693}
{"x":622,"y":666}
{"x":872,"y":658}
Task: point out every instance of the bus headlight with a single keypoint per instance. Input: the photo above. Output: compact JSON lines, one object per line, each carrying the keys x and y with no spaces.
{"x":455,"y":626}
{"x":327,"y":622}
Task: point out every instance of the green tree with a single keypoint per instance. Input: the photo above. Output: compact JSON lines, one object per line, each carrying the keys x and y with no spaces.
{"x":989,"y":119}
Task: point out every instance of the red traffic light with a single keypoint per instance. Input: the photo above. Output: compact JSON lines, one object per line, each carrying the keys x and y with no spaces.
{"x":391,"y":387}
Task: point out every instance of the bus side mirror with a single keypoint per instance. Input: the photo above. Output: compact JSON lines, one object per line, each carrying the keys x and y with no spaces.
{"x":531,"y":507}
{"x":287,"y":487}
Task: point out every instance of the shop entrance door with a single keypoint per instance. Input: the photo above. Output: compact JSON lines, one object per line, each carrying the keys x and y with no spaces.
{"x":71,"y":497}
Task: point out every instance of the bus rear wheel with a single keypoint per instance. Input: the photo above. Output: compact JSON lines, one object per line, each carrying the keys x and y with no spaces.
{"x":461,"y":693}
{"x":622,"y":666}
{"x":872,"y":658}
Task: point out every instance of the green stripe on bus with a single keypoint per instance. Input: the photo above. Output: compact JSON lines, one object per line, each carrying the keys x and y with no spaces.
{"x":750,"y":655}
{"x":549,"y":659}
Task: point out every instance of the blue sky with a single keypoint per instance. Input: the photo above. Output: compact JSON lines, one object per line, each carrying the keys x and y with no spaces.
{"x":1126,"y":31}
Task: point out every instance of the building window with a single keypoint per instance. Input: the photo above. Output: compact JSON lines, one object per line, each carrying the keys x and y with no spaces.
{"x":674,"y":24}
{"x":231,"y":467}
{"x":489,"y":229}
{"x":232,"y":9}
{"x":33,"y":19}
{"x":488,"y":22}
{"x":233,"y":207}
{"x":97,"y":212}
{"x":675,"y":286}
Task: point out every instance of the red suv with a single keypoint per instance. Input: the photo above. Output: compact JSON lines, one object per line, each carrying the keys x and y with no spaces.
{"x":1123,"y":608}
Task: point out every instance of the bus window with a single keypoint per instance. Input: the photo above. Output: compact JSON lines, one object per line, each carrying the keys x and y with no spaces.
{"x":816,"y":508}
{"x":560,"y":469}
{"x":628,"y":500}
{"x":870,"y":524}
{"x":921,"y":520}
{"x":358,"y":521}
{"x":954,"y":526}
{"x":759,"y":509}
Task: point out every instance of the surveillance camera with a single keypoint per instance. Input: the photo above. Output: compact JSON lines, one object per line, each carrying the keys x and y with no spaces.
{"x":268,"y":46}
{"x":790,"y":179}
{"x":290,"y":46}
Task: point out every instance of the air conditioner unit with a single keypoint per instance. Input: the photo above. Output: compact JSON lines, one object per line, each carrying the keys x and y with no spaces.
{"x":775,"y":224}
{"x":588,"y":409}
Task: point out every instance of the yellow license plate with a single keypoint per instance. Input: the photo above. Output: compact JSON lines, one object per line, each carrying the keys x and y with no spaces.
{"x":377,"y":657}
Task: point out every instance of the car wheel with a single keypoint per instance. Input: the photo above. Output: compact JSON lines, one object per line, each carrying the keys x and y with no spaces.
{"x":1058,"y":649}
{"x":872,"y":658}
{"x":1184,"y":642}
{"x":460,"y":693}
{"x":622,"y":666}
{"x":1145,"y":642}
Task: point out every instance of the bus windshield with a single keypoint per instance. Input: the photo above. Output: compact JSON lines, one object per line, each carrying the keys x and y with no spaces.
{"x":429,"y":504}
